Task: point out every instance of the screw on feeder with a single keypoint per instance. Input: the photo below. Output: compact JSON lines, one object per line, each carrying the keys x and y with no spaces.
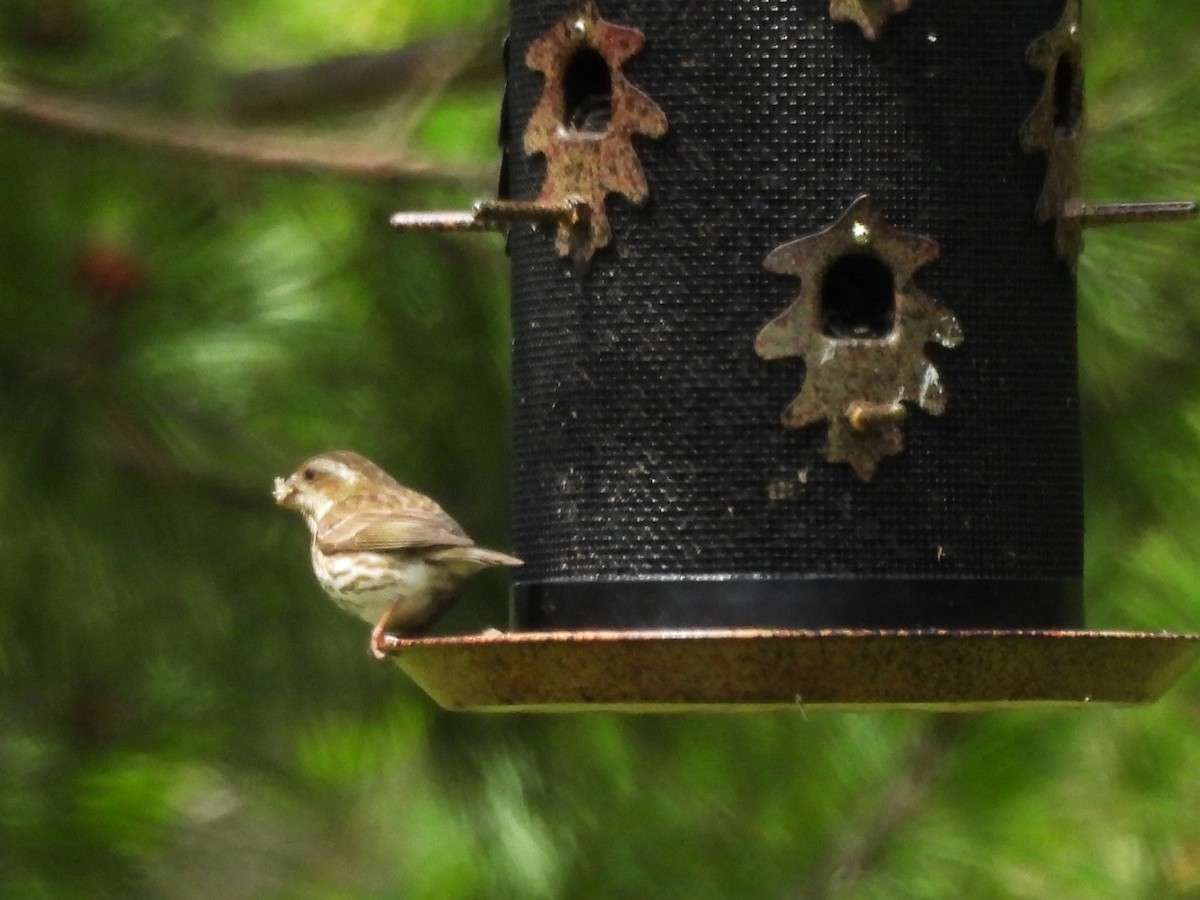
{"x":497,"y":215}
{"x":862,"y":414}
{"x":1076,"y":215}
{"x":1103,"y":214}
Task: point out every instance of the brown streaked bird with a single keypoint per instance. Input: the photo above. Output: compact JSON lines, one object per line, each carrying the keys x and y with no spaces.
{"x":383,"y":552}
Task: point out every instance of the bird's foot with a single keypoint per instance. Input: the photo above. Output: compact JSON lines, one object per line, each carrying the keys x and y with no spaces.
{"x":381,"y":643}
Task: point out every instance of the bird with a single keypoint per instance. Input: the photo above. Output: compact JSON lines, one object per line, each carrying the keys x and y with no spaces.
{"x":381,"y":551}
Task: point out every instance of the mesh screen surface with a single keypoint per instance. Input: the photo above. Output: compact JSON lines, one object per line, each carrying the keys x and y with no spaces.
{"x":647,"y":432}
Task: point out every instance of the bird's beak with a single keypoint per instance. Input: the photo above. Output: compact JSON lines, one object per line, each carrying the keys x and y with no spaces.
{"x":285,"y":493}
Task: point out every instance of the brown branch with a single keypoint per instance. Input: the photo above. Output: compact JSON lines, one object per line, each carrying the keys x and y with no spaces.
{"x":363,"y":78}
{"x":341,"y":83}
{"x":245,"y":147}
{"x":855,"y":853}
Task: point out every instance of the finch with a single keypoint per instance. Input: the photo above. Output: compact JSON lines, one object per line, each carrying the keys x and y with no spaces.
{"x":387,"y":554}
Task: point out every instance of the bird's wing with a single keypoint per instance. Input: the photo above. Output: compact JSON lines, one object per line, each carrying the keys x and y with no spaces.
{"x":389,"y":530}
{"x":391,"y":519}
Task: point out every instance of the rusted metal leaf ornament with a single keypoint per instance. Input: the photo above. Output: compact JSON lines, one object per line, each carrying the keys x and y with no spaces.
{"x":587,"y":161}
{"x":859,"y":384}
{"x":869,"y":15}
{"x":1055,"y":126}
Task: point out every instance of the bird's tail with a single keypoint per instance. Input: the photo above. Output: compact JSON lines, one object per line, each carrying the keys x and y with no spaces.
{"x":477,"y":556}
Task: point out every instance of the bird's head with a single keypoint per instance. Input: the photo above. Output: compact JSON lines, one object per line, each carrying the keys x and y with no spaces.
{"x":326,"y":479}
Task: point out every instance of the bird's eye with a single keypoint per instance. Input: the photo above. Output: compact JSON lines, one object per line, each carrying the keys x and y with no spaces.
{"x":309,"y":475}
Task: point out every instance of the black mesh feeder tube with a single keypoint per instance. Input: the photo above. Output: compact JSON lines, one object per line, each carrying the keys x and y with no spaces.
{"x":794,"y":376}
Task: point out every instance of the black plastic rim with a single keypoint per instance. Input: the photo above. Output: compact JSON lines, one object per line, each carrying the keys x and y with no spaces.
{"x":798,"y":602}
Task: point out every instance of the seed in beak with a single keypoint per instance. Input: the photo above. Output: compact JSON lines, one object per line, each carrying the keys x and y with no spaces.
{"x":283,"y":491}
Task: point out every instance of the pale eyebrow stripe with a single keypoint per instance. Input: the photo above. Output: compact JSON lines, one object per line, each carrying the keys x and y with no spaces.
{"x":331,"y":467}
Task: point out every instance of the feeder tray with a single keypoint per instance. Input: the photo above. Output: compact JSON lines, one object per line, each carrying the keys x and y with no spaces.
{"x":763,"y":669}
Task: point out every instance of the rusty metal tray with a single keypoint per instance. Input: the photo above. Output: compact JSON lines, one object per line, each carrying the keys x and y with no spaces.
{"x":754,"y":669}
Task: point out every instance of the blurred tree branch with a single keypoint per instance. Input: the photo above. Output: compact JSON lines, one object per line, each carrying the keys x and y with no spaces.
{"x":856,"y":852}
{"x":464,"y":60}
{"x":253,"y":148}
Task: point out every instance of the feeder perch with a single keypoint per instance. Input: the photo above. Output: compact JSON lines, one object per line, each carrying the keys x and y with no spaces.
{"x":803,"y":430}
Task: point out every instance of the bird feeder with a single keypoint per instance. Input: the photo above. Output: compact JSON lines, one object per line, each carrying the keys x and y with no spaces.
{"x":796,"y":415}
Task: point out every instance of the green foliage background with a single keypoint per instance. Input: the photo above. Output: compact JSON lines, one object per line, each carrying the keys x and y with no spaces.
{"x":183,"y":716}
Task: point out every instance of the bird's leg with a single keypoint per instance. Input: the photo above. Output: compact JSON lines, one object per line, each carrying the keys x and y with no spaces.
{"x":380,"y":639}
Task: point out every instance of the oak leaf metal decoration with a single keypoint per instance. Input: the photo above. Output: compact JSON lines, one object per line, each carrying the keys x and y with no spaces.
{"x":869,"y":15}
{"x":859,"y":384}
{"x":589,"y":163}
{"x":1055,"y":126}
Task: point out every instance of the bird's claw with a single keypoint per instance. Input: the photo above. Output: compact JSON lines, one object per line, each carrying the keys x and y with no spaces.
{"x":381,"y":643}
